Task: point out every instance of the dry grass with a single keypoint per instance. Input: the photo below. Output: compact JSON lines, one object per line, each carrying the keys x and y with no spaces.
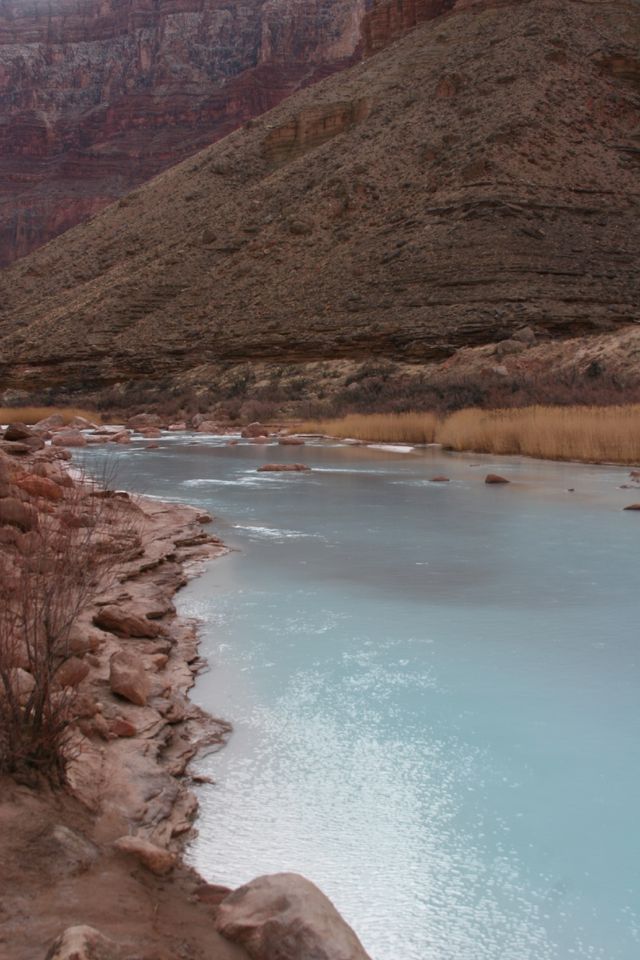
{"x":33,"y":414}
{"x":591,"y":434}
{"x":554,"y":433}
{"x":378,"y":427}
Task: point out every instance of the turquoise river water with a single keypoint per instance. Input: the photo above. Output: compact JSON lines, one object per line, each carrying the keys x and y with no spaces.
{"x":434,"y":690}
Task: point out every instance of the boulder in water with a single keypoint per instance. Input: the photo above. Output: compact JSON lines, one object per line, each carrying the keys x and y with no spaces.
{"x":286,"y":916}
{"x":284,"y":467}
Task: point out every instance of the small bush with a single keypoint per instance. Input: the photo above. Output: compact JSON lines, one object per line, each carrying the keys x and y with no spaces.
{"x":43,"y":588}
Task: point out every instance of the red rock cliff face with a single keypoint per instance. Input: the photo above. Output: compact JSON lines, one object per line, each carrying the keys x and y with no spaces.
{"x":97,"y":96}
{"x":386,"y":21}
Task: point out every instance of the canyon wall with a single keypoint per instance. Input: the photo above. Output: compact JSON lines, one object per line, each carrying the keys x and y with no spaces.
{"x":98,"y":96}
{"x":475,"y":179}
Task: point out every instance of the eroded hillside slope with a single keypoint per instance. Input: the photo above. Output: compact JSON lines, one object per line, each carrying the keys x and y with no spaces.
{"x":477,"y":177}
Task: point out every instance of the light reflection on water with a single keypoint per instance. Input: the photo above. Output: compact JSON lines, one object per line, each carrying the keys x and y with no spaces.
{"x":434,"y":690}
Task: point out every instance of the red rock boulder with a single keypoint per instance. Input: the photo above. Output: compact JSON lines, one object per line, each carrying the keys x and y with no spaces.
{"x":128,"y":677}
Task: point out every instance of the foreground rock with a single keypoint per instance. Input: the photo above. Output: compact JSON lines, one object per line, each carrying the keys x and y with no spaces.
{"x":154,"y":858}
{"x":284,"y":468}
{"x":85,"y":943}
{"x":128,"y":677}
{"x":633,"y":506}
{"x":286,"y":917}
{"x":69,"y":438}
{"x":495,"y":478}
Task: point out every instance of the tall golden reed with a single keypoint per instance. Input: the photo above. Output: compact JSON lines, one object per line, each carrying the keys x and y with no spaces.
{"x":592,"y":434}
{"x":33,"y":414}
{"x":377,"y":427}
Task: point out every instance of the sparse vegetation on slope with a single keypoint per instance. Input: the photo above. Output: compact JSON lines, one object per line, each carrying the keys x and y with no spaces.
{"x":591,"y":434}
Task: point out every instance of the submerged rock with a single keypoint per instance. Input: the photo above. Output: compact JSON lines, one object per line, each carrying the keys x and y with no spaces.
{"x":286,"y":916}
{"x":286,"y":467}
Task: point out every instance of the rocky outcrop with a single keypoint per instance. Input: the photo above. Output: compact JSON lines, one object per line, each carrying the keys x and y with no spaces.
{"x":386,"y":21}
{"x":475,"y":204}
{"x":96,"y":98}
{"x":286,"y":916}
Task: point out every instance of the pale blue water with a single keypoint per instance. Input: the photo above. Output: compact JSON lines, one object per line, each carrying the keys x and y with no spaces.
{"x":434,"y":690}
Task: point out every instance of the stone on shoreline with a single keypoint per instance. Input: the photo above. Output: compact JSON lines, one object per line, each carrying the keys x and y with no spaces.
{"x":128,"y":623}
{"x":291,"y":442}
{"x":40,"y":487}
{"x":286,"y":916}
{"x":69,"y":438}
{"x":254,"y":429}
{"x":85,"y":943}
{"x":128,"y":678}
{"x":633,"y":506}
{"x":17,"y":514}
{"x":15,"y":448}
{"x":17,"y":431}
{"x":495,"y":478}
{"x":144,"y":420}
{"x":158,"y":861}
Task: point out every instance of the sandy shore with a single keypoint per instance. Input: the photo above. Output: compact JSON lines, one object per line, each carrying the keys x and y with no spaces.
{"x":61,"y":861}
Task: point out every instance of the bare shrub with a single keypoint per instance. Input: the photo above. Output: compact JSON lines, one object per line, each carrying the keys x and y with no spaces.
{"x":44,"y":585}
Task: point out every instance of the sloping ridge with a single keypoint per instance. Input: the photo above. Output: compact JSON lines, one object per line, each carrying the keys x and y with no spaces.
{"x":479,"y":175}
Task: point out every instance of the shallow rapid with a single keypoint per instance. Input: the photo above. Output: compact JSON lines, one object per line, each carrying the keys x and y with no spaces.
{"x":434,"y":691}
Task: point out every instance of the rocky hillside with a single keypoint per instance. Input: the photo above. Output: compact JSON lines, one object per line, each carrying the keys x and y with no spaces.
{"x":98,"y":97}
{"x":477,"y":178}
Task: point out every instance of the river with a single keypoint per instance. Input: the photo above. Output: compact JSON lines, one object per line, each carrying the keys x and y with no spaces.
{"x":434,"y":691}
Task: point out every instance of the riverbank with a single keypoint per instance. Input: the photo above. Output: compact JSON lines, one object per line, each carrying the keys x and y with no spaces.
{"x":68,"y":855}
{"x":584,"y":434}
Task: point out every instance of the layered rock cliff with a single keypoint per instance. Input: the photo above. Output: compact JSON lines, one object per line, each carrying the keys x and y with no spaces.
{"x":476,"y":178}
{"x":97,"y":97}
